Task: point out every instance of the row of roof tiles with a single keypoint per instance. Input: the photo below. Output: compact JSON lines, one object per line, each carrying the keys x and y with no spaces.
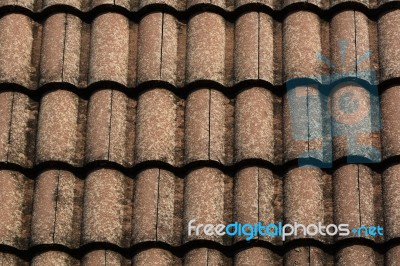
{"x":181,"y":5}
{"x":109,"y":207}
{"x":306,"y":255}
{"x":206,"y":126}
{"x":161,"y":48}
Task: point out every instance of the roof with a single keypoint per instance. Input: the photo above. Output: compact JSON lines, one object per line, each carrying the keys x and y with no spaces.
{"x":122,"y":121}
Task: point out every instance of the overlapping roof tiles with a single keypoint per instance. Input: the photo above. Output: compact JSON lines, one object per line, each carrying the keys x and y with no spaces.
{"x":120,"y":121}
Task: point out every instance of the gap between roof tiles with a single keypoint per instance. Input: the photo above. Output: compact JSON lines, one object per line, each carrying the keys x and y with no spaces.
{"x":64,"y":45}
{"x":135,"y":6}
{"x":209,"y":123}
{"x":184,"y":15}
{"x":110,"y":124}
{"x":10,"y":126}
{"x":181,"y":251}
{"x":161,"y":46}
{"x":158,"y":202}
{"x":56,"y":207}
{"x":180,"y":171}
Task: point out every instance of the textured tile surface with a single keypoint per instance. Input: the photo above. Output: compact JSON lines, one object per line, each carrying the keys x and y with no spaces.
{"x":121,"y":121}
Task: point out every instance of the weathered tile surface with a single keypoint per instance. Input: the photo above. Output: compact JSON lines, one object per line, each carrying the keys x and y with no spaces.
{"x":121,"y":121}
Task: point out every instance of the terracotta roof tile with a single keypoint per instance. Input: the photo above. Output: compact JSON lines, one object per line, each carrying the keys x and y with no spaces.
{"x":256,"y":256}
{"x":205,"y":48}
{"x":256,"y":198}
{"x":361,"y":122}
{"x":11,"y":259}
{"x":304,"y":124}
{"x":205,"y":200}
{"x":254,"y":47}
{"x":390,"y":126}
{"x":155,"y":256}
{"x":103,"y":257}
{"x":357,"y":196}
{"x":254,"y":125}
{"x":392,"y":255}
{"x":79,"y":52}
{"x":18,"y":128}
{"x":57,"y":135}
{"x":350,"y":28}
{"x":122,"y":3}
{"x":301,"y":43}
{"x":219,"y":3}
{"x":157,"y":55}
{"x":304,"y":197}
{"x":57,"y":209}
{"x":48,"y":3}
{"x":15,"y":201}
{"x":307,"y":255}
{"x":107,"y":128}
{"x":157,"y":207}
{"x":205,"y":128}
{"x":356,"y":253}
{"x":6,"y":104}
{"x":60,"y":52}
{"x":53,"y":258}
{"x":389,"y":53}
{"x":391,"y":200}
{"x":105,"y":206}
{"x":15,"y":56}
{"x":176,"y":4}
{"x":198,"y":256}
{"x":268,"y":3}
{"x":109,"y":48}
{"x":157,"y":126}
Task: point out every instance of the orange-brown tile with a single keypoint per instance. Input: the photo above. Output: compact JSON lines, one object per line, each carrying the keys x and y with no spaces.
{"x":155,"y":256}
{"x":206,"y":48}
{"x":16,"y":40}
{"x":206,"y":201}
{"x":206,"y":126}
{"x":57,"y":136}
{"x":15,"y":203}
{"x":106,"y":203}
{"x":254,"y":47}
{"x":57,"y":209}
{"x":301,"y":43}
{"x":157,"y":48}
{"x":107,"y":135}
{"x":157,"y":126}
{"x":355,"y":254}
{"x":254,"y":125}
{"x":109,"y":48}
{"x":304,"y":198}
{"x":255,"y":198}
{"x":205,"y":256}
{"x":54,"y":258}
{"x":307,"y":255}
{"x":256,"y":256}
{"x":389,"y":51}
{"x":60,"y":52}
{"x":157,"y":208}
